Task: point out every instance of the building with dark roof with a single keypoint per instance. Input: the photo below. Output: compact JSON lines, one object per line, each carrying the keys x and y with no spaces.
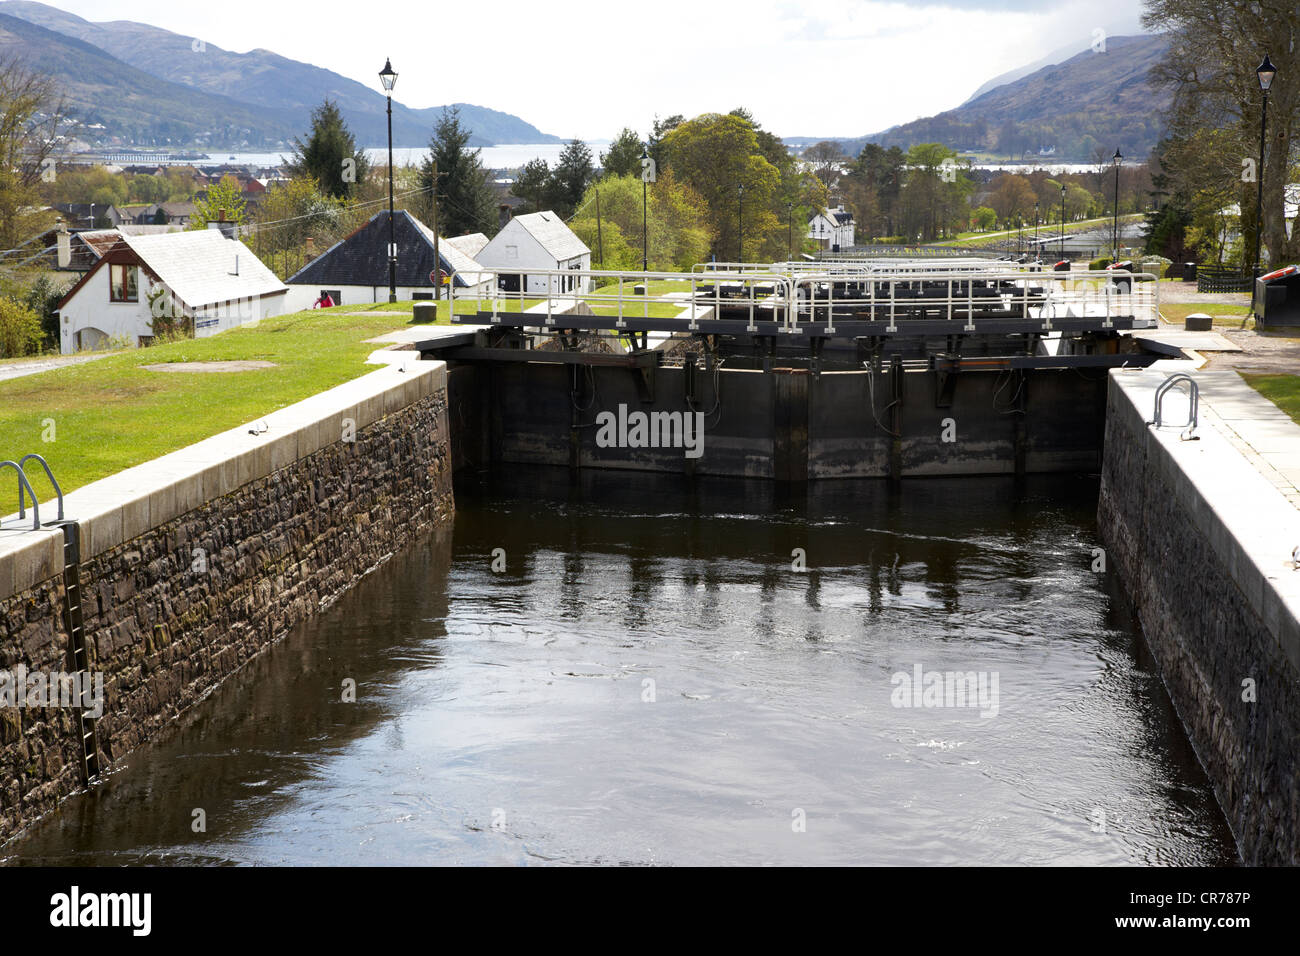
{"x":355,"y":269}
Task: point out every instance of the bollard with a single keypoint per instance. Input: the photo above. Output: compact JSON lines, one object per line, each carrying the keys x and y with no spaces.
{"x":426,"y":312}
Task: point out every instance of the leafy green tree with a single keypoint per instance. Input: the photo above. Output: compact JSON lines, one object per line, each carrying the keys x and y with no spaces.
{"x":935,"y":192}
{"x":330,"y":155}
{"x":225,"y":197}
{"x":466,"y":202}
{"x":624,"y":156}
{"x":20,"y":329}
{"x":984,"y":218}
{"x":676,"y":220}
{"x":716,"y":155}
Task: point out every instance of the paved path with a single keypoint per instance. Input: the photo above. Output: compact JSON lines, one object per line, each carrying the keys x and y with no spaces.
{"x":10,"y":370}
{"x":1262,"y":432}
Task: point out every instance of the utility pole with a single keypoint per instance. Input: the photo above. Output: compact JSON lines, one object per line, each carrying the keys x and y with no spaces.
{"x":437,"y":257}
{"x":600,"y":242}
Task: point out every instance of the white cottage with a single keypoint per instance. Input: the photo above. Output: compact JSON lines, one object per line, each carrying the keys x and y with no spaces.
{"x":538,"y":240}
{"x":204,"y":276}
{"x":833,"y":229}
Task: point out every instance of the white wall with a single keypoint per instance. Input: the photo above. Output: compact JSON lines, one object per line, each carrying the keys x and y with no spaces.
{"x":90,"y":309}
{"x":514,"y":249}
{"x":103,"y":321}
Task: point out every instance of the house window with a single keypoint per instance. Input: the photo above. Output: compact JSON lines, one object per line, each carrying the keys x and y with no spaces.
{"x":123,"y":283}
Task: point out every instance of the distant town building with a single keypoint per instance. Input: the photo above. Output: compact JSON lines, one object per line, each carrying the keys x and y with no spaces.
{"x":833,"y":229}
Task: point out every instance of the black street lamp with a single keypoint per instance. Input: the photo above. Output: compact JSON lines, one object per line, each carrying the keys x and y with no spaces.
{"x":1020,"y":237}
{"x":789,"y":232}
{"x":1062,"y":221}
{"x":1114,"y":244}
{"x":645,"y":230}
{"x":1036,"y":247}
{"x":389,"y":79}
{"x":740,"y":219}
{"x":1266,"y":72}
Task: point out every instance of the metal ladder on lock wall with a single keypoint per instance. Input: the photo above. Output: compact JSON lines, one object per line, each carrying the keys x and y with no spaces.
{"x":73,"y":621}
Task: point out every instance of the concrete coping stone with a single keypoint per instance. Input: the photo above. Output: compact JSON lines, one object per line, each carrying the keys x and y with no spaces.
{"x":125,"y":505}
{"x":1246,"y":518}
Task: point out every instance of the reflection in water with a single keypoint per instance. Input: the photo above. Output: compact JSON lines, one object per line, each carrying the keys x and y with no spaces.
{"x":650,"y":681}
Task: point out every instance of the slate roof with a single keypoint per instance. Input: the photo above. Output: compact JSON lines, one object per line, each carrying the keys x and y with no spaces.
{"x":555,"y":237}
{"x":198,"y":267}
{"x":471,"y":244}
{"x":362,"y":258}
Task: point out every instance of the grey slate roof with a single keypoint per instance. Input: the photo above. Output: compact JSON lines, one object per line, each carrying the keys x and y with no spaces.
{"x":362,"y":258}
{"x":555,"y":237}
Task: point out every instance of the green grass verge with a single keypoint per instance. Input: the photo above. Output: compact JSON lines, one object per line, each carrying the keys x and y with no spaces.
{"x":1223,"y":314}
{"x":112,"y":413}
{"x":1282,"y":390}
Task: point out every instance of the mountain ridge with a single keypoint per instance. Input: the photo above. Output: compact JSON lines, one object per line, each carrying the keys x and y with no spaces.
{"x":262,"y":79}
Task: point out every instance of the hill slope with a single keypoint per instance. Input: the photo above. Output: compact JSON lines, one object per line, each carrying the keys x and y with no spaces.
{"x":100,"y":89}
{"x":263,"y":80}
{"x":1091,"y":101}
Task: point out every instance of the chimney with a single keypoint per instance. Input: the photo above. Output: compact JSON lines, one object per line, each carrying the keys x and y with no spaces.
{"x":503,"y":215}
{"x":311,"y":248}
{"x":65,"y":246}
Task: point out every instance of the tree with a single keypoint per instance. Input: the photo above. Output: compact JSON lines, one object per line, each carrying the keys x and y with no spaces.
{"x":826,"y":160}
{"x":715,"y":155}
{"x":573,"y":173}
{"x":677,"y":219}
{"x":1012,"y":197}
{"x":330,"y":155}
{"x":936,"y":188}
{"x":466,"y":202}
{"x":226,"y":199}
{"x":31,"y":116}
{"x":533,"y":185}
{"x":1210,"y":65}
{"x":624,"y":156}
{"x":984,"y":218}
{"x":20,"y":329}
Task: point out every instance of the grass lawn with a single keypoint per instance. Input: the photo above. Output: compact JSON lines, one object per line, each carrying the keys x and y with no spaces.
{"x":975,"y":238}
{"x":111,"y":414}
{"x":634,"y":309}
{"x":1228,"y":316}
{"x":656,"y":286}
{"x":1282,"y":390}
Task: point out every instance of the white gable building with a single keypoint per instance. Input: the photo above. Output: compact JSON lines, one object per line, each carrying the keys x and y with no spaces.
{"x":203,"y":276}
{"x":540,"y":241}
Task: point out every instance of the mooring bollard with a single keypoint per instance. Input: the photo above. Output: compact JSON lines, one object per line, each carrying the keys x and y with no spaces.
{"x":426,"y":311}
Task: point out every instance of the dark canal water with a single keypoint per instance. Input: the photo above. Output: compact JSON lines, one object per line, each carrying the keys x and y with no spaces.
{"x":648,"y":681}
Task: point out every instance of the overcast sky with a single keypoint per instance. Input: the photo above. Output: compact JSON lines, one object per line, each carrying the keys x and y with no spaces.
{"x":588,"y":67}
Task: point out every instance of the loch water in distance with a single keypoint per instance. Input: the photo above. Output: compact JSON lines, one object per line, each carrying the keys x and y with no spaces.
{"x":630,"y":669}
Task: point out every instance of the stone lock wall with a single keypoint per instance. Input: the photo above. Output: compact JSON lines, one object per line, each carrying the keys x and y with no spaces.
{"x":1182,"y":522}
{"x":173,"y":611}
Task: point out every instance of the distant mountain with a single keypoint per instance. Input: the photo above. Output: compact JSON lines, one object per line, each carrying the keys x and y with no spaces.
{"x":266,"y":82}
{"x":1090,"y":101}
{"x":100,"y":89}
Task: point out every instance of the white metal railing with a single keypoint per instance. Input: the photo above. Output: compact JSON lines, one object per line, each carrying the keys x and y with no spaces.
{"x":797,"y":300}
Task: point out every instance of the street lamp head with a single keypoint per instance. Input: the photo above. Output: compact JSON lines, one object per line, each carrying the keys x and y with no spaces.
{"x":1117,"y":158}
{"x":1062,"y":189}
{"x":387,"y":76}
{"x":645,"y":151}
{"x":1266,"y":72}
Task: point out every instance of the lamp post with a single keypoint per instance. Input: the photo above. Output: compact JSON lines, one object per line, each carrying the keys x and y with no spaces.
{"x":389,"y":79}
{"x":789,"y":232}
{"x":740,"y":220}
{"x":645,"y":230}
{"x":1114,"y":244}
{"x":1020,"y":238}
{"x":1266,"y":72}
{"x":1062,"y":220}
{"x":1036,"y":255}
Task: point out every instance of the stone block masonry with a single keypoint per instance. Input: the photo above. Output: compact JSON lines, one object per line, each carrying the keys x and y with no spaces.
{"x":1202,"y":539}
{"x":197,"y":561}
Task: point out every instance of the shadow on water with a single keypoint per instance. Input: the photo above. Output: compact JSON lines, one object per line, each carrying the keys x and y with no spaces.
{"x":629,"y":668}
